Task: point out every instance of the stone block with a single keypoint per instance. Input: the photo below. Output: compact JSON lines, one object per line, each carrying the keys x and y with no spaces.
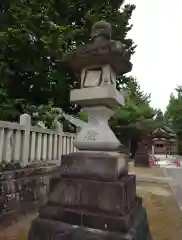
{"x":46,"y":229}
{"x":142,"y":156}
{"x":98,"y":96}
{"x":96,"y":135}
{"x":93,"y":165}
{"x":114,"y":197}
{"x":91,"y":219}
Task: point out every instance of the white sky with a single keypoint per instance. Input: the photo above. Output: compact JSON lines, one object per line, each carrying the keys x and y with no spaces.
{"x":157,"y":63}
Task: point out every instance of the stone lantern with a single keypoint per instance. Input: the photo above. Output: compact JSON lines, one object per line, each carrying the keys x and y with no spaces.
{"x":94,"y":197}
{"x":99,"y":63}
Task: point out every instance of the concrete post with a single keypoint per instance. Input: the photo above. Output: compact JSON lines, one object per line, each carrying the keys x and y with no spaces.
{"x":25,"y":120}
{"x":59,"y":130}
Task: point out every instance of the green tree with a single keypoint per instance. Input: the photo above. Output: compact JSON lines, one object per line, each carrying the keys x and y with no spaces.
{"x":30,"y":46}
{"x":173,"y":115}
{"x":9,"y":109}
{"x":34,"y":36}
{"x":159,"y":116}
{"x":135,"y":118}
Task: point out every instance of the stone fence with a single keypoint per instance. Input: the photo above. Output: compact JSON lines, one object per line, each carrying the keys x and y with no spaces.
{"x":26,"y":144}
{"x":29,"y":157}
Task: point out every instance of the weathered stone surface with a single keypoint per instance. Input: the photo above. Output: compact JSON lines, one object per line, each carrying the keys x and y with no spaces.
{"x":43,"y":229}
{"x":114,"y":197}
{"x":23,"y":189}
{"x":91,"y":219}
{"x":95,"y":190}
{"x":96,"y":135}
{"x":142,"y":156}
{"x":102,"y":50}
{"x":99,"y":62}
{"x":92,"y":165}
{"x":100,"y":95}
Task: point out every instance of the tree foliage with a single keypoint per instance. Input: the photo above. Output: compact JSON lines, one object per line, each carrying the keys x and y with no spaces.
{"x":159,"y":116}
{"x":35,"y":35}
{"x":136,"y":108}
{"x":173,"y":115}
{"x":136,"y":118}
{"x":8,"y":107}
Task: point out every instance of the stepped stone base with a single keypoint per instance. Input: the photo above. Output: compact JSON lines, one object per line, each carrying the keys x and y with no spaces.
{"x":45,"y":229}
{"x":94,"y":192}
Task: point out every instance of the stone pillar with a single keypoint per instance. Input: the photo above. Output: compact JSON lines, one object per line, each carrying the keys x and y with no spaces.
{"x":142,"y":156}
{"x":95,"y":191}
{"x":25,"y":120}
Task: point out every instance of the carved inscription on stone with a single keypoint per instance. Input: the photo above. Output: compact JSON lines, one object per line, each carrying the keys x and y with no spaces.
{"x":93,"y":120}
{"x":91,"y":135}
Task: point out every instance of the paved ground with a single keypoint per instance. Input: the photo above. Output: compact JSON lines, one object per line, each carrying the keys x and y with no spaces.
{"x":163,"y":212}
{"x":174,"y":173}
{"x":176,"y":185}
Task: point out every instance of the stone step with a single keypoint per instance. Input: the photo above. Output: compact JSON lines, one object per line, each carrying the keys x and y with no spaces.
{"x":96,"y":220}
{"x":116,"y":197}
{"x":46,"y":229}
{"x":94,"y":165}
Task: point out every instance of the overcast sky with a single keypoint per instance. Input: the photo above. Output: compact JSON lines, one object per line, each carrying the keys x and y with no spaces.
{"x":157,"y":63}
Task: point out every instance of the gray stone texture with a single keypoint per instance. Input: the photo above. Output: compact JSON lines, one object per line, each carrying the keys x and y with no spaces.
{"x":93,"y":165}
{"x":142,"y":156}
{"x":112,"y":197}
{"x":22,"y":190}
{"x":104,"y":96}
{"x":44,"y":229}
